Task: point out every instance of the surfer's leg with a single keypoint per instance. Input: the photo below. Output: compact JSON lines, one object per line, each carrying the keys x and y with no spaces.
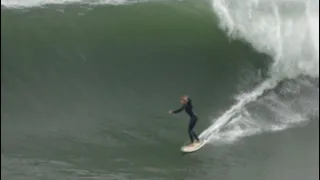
{"x":190,"y":127}
{"x":195,"y":136}
{"x":192,"y":134}
{"x":192,"y":131}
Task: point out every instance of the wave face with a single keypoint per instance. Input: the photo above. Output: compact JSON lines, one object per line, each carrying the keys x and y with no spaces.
{"x":288,"y":31}
{"x":86,"y":87}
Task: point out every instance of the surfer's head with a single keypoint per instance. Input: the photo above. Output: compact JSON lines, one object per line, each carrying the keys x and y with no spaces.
{"x":183,"y":99}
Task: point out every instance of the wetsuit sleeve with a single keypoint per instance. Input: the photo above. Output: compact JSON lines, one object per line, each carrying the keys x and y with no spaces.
{"x":179,"y":110}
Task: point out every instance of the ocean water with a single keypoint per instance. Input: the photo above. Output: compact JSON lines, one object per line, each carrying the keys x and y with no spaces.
{"x":86,"y":87}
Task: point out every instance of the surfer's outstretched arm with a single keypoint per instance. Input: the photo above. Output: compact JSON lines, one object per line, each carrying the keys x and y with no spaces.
{"x":178,"y":110}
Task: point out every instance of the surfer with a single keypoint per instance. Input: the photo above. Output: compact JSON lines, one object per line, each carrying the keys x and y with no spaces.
{"x":187,"y":106}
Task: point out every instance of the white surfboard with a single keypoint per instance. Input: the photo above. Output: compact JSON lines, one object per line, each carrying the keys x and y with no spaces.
{"x":188,"y":149}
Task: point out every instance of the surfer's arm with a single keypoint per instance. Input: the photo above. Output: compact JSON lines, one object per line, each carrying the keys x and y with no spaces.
{"x":178,"y":110}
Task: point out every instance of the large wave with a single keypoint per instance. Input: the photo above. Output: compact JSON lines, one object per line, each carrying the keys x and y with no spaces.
{"x":287,"y":31}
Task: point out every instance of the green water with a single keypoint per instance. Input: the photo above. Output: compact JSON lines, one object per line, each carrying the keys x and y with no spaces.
{"x":85,"y":93}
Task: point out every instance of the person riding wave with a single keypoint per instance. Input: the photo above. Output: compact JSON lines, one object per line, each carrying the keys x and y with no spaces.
{"x":187,"y":106}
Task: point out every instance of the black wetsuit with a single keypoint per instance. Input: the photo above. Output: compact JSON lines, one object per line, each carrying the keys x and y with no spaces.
{"x":193,"y":119}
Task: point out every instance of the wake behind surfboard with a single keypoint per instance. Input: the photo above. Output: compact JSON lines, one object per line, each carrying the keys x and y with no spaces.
{"x":189,"y":149}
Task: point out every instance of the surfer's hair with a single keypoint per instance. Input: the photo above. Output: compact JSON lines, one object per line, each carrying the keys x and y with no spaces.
{"x":185,"y":97}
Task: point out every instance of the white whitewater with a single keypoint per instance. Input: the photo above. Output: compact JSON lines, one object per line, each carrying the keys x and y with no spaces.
{"x":288,"y":31}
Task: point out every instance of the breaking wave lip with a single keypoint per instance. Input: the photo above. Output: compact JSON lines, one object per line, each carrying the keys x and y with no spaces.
{"x":291,"y":39}
{"x":286,"y":30}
